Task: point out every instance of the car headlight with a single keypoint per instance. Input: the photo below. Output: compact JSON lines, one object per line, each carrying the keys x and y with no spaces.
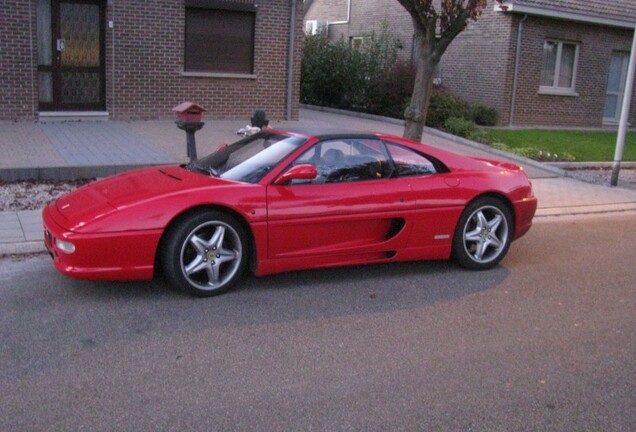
{"x":65,"y":246}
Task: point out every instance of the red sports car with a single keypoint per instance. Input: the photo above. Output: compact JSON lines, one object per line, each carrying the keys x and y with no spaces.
{"x":285,"y":200}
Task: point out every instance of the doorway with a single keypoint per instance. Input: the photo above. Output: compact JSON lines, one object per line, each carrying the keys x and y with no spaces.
{"x":71,"y":72}
{"x":615,"y":87}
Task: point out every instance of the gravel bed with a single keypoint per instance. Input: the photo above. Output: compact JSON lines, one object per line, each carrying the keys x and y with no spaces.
{"x":603,"y":176}
{"x":33,"y":195}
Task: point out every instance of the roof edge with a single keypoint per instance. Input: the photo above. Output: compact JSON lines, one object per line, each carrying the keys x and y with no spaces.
{"x":510,"y":7}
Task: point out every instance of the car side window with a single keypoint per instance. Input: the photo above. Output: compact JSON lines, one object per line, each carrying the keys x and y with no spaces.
{"x":408,"y":162}
{"x":346,"y":160}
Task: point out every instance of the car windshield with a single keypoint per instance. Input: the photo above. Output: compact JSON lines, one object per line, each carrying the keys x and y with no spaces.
{"x":249,"y":159}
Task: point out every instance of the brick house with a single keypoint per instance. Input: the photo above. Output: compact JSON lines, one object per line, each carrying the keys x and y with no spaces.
{"x":559,"y":63}
{"x":136,"y":59}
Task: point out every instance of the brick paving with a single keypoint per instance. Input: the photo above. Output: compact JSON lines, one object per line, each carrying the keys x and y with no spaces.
{"x":101,"y":143}
{"x":24,"y":144}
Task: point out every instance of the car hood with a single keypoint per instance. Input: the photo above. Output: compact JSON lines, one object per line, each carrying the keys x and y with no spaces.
{"x":105,"y":196}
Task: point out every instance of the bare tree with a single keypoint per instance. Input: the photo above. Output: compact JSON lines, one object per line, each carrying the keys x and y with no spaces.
{"x":436,"y":24}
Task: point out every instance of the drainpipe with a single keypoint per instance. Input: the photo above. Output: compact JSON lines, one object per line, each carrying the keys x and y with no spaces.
{"x":348,"y":15}
{"x":290,"y":60}
{"x":31,"y":54}
{"x":112,"y":24}
{"x":513,"y":99}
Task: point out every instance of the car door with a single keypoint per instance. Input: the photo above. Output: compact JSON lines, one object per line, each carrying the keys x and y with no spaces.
{"x":353,"y":207}
{"x":439,"y":199}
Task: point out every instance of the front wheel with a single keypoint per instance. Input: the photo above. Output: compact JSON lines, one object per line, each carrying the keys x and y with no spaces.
{"x":483,"y":234}
{"x":204,"y":253}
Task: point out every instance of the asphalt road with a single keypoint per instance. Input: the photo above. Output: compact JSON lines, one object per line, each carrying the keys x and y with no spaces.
{"x":544,"y":342}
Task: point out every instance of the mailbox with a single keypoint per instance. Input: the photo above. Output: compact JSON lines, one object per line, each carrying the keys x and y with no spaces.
{"x":189,"y":120}
{"x":189,"y":112}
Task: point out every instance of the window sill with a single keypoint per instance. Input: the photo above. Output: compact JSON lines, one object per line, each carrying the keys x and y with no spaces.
{"x":554,"y":91}
{"x":614,"y":123}
{"x":217,"y":75}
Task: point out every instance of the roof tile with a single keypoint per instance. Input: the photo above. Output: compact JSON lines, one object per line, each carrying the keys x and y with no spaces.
{"x":622,"y":10}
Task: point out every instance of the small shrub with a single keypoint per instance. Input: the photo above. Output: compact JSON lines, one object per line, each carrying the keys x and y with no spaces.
{"x":480,"y":135}
{"x":554,"y":157}
{"x":527,"y":152}
{"x":460,"y":127}
{"x":326,"y":72}
{"x":534,"y":153}
{"x":444,"y":105}
{"x":484,"y":115}
{"x":389,"y":94}
{"x":366,"y":79}
{"x":567,"y":157}
{"x":500,"y":146}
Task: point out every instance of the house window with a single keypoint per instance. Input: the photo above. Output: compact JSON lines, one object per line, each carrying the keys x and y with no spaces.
{"x":616,"y":82}
{"x":220,"y":39}
{"x":558,"y":74}
{"x":359,"y":42}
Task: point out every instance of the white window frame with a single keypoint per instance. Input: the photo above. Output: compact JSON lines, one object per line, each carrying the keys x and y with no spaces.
{"x":359,"y":42}
{"x":555,"y":89}
{"x":620,"y":93}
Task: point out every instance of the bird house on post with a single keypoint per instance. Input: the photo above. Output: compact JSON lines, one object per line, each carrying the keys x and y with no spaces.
{"x":189,"y":120}
{"x":189,"y":112}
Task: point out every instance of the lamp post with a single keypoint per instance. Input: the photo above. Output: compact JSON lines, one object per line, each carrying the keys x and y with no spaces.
{"x":622,"y":126}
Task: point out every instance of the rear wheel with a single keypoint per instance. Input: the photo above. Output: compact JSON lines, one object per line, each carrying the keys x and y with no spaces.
{"x":483,"y":234}
{"x":204,"y":253}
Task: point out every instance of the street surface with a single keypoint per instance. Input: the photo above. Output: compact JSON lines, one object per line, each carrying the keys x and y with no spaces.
{"x":544,"y":342}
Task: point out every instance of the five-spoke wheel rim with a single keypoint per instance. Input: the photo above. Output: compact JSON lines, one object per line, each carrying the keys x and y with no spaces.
{"x":211,"y":255}
{"x":485,"y":234}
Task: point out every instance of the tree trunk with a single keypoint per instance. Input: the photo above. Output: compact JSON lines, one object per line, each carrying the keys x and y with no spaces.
{"x":415,"y":113}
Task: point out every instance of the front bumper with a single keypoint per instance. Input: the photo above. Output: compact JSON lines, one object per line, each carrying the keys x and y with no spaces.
{"x":101,"y":256}
{"x":524,"y":212}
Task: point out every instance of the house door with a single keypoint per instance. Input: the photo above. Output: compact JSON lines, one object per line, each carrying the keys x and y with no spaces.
{"x":71,"y":55}
{"x":615,"y":87}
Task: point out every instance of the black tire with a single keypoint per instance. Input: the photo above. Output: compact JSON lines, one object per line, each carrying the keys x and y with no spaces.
{"x":204,"y":253}
{"x":483,"y":234}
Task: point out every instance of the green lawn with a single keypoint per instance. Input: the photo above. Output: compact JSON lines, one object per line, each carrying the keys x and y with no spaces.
{"x":585,"y":146}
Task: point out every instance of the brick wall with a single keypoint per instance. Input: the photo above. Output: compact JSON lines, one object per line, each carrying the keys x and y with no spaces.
{"x":17,"y":56}
{"x":366,"y":16}
{"x":144,"y":63}
{"x":596,"y":44}
{"x":327,"y":10}
{"x":148,"y":61}
{"x":478,"y":64}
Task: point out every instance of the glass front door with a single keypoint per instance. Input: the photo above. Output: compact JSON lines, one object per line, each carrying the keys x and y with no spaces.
{"x":615,"y":87}
{"x":71,"y":54}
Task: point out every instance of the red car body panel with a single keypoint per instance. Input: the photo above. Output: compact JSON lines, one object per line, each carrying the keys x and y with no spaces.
{"x":117,"y":224}
{"x":102,"y":256}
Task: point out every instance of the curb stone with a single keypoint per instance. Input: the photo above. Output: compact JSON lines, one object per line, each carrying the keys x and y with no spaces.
{"x":22,"y":248}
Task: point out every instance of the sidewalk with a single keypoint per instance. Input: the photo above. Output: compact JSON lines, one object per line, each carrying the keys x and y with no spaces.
{"x":96,"y":149}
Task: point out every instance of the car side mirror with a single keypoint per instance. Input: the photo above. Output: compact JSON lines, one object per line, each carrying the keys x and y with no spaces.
{"x":298,"y":172}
